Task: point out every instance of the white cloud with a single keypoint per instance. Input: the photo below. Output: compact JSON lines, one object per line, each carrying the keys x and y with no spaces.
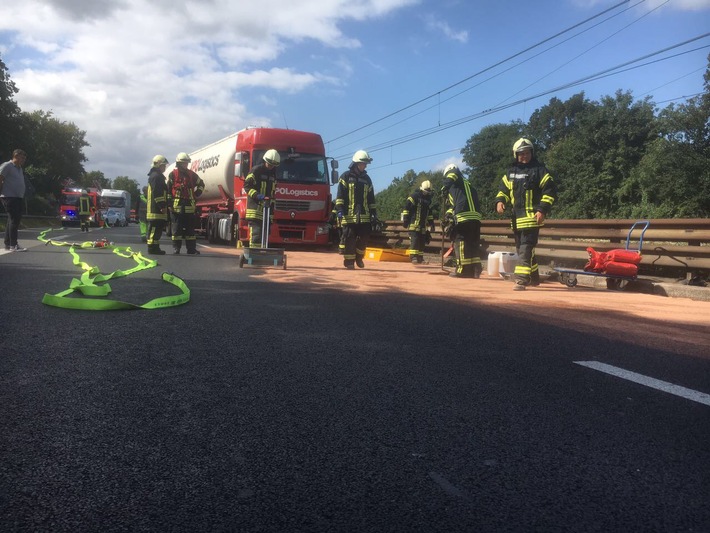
{"x":148,"y":76}
{"x":453,"y":160}
{"x":442,"y":27}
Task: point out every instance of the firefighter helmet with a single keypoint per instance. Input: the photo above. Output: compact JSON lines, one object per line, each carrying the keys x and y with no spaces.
{"x":521,"y":145}
{"x":425,"y":186}
{"x":361,"y":156}
{"x":272,"y":157}
{"x":182,"y":157}
{"x":450,"y":168}
{"x":159,"y":160}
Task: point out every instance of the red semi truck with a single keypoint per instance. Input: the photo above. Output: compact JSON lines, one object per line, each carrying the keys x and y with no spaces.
{"x":303,"y":201}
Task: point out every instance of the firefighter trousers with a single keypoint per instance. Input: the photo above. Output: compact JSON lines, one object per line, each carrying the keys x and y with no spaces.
{"x":355,"y":239}
{"x":526,"y":270}
{"x":154,"y":232}
{"x":467,"y":247}
{"x":183,"y":227}
{"x":256,"y":229}
{"x":417,"y":240}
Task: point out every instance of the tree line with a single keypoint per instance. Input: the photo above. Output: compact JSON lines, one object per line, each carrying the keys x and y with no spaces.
{"x":56,"y":152}
{"x":613,"y":158}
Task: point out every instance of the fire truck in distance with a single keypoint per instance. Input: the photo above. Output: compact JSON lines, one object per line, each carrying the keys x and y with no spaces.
{"x":302,"y":200}
{"x":69,"y":206}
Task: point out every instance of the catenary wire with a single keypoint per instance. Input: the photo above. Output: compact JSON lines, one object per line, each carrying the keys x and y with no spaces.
{"x":593,"y":77}
{"x":481,"y":71}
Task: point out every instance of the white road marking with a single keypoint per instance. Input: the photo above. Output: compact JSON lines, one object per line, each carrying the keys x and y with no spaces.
{"x":688,"y":394}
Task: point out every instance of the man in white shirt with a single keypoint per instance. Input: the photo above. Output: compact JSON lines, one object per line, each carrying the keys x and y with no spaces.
{"x":12,"y":192}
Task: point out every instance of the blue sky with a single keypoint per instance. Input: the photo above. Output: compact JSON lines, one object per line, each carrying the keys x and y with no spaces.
{"x":165,"y":76}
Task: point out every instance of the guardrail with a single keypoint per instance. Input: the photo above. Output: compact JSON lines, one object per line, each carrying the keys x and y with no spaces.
{"x":670,"y":246}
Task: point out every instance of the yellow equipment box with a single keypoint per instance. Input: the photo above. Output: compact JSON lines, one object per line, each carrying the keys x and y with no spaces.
{"x":387,"y":254}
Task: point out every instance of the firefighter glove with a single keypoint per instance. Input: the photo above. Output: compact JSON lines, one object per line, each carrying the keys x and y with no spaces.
{"x":427,"y":237}
{"x":340,"y":215}
{"x":260,"y":197}
{"x":405,"y":221}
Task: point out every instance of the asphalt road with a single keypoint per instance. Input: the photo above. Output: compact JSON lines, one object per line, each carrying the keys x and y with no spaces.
{"x":306,"y":406}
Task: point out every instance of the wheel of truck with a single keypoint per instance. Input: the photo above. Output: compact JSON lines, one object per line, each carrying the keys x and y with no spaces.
{"x":211,"y":229}
{"x":234,"y":230}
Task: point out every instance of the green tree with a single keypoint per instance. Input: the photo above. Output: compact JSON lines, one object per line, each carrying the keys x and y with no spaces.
{"x":596,"y":157}
{"x":488,"y":155}
{"x":673,"y":177}
{"x":9,"y":115}
{"x":556,"y":120}
{"x":55,"y":151}
{"x":94,"y":179}
{"x":390,"y":201}
{"x":124,"y":183}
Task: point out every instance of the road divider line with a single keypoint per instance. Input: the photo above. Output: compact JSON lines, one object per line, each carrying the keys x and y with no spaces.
{"x":677,"y":390}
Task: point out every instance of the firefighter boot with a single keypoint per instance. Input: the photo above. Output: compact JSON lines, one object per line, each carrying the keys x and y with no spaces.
{"x":192,"y":249}
{"x":477,"y":269}
{"x":154,"y":249}
{"x":349,"y":264}
{"x":359,"y":262}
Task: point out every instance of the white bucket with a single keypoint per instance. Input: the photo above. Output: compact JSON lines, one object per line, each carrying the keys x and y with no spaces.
{"x":507,"y":262}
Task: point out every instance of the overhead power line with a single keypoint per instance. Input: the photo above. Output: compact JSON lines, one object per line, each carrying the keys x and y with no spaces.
{"x":592,"y":77}
{"x":481,"y":71}
{"x":500,"y":73}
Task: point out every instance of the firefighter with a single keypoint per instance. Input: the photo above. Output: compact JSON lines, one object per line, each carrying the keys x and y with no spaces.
{"x":156,"y":199}
{"x":142,"y":214}
{"x":419,"y":220}
{"x":463,"y":215}
{"x":356,"y":209}
{"x":84,"y":211}
{"x":531,"y":192}
{"x":260,"y":185}
{"x":184,"y":186}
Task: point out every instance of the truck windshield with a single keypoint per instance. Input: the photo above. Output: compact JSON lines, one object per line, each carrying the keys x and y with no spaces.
{"x":299,"y":168}
{"x":113,"y":201}
{"x":70,"y":199}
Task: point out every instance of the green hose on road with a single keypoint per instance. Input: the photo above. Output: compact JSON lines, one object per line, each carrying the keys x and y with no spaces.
{"x":91,"y":277}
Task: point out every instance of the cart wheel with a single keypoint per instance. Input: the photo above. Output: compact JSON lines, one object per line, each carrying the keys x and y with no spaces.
{"x":569,"y":279}
{"x":241,"y":261}
{"x":616,"y":284}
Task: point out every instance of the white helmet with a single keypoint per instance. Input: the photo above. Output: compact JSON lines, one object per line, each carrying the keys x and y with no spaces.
{"x":450,"y":168}
{"x":159,"y":160}
{"x":361,"y":156}
{"x":425,"y":186}
{"x":182,"y":157}
{"x":272,"y":157}
{"x":521,"y":145}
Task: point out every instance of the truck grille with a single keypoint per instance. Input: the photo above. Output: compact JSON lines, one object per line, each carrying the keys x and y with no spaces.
{"x":299,"y":206}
